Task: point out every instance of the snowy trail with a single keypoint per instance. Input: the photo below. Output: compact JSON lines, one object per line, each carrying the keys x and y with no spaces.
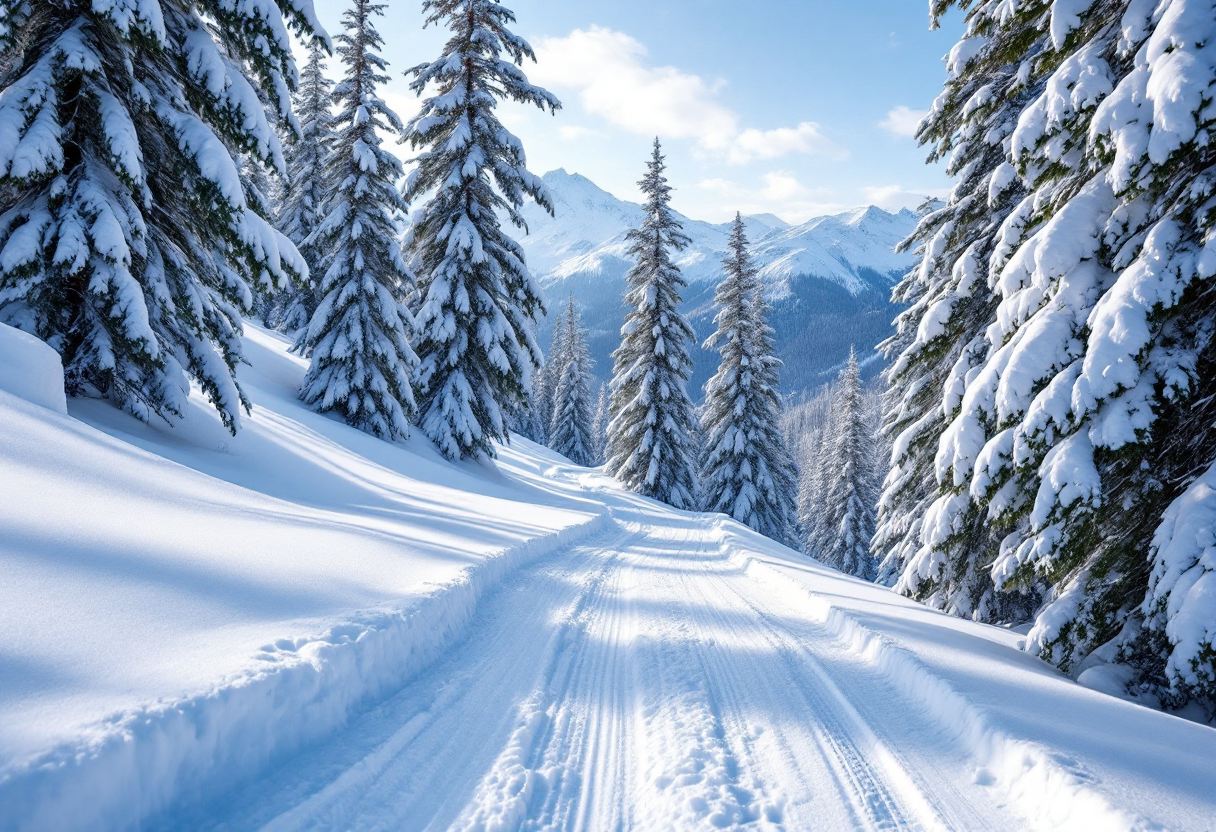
{"x":422,"y":646}
{"x":637,"y":681}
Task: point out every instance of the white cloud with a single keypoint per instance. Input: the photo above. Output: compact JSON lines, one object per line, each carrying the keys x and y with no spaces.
{"x":894,"y":197}
{"x":574,"y":132}
{"x":404,"y":103}
{"x":608,"y":72}
{"x":903,"y":121}
{"x":781,"y":194}
{"x":770,"y":144}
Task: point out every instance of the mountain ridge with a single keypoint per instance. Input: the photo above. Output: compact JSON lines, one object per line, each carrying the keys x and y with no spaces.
{"x":829,"y":278}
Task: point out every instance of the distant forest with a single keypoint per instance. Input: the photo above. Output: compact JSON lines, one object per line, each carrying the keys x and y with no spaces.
{"x":816,"y":325}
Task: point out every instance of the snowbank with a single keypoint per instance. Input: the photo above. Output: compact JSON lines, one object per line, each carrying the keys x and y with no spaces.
{"x":31,"y":370}
{"x":182,"y":608}
{"x":142,"y":761}
{"x":1067,"y":757}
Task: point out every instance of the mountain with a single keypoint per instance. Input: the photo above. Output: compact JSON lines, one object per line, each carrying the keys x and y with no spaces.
{"x":829,"y":279}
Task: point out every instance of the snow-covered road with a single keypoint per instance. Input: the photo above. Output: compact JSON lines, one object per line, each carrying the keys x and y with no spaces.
{"x":640,"y":680}
{"x":306,"y":628}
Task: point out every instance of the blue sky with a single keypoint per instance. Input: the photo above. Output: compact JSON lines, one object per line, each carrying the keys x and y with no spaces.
{"x":795,"y":107}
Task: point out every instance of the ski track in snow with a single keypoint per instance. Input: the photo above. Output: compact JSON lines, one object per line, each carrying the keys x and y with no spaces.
{"x":640,"y":680}
{"x":554,"y":654}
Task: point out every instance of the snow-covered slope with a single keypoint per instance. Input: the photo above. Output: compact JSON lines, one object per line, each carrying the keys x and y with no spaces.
{"x":841,"y":248}
{"x":180,"y":606}
{"x":830,"y":277}
{"x":307,"y":628}
{"x":30,"y":369}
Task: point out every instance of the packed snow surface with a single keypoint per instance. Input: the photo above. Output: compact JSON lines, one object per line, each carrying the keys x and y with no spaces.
{"x":307,"y":628}
{"x":31,"y":370}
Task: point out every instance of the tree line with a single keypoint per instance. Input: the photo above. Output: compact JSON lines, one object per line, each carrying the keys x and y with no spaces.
{"x":139,"y":222}
{"x":1049,"y":406}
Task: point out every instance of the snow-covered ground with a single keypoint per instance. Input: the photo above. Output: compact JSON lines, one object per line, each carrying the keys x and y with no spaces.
{"x":180,"y":607}
{"x":307,"y":628}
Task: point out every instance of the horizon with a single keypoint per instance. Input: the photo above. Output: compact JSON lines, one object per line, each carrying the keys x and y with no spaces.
{"x":791,"y":120}
{"x":746,"y":215}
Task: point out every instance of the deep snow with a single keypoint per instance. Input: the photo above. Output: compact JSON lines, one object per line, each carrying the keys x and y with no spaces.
{"x":307,"y":628}
{"x":195,"y":591}
{"x":31,"y":370}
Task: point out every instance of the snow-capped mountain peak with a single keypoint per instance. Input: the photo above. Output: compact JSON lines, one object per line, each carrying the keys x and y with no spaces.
{"x":829,"y":277}
{"x":586,"y":237}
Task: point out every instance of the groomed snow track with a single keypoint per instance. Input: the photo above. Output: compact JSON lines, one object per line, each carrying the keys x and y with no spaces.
{"x":652,"y":677}
{"x":307,"y":628}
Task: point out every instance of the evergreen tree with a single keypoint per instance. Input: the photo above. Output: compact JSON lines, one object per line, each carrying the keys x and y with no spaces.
{"x":476,"y":325}
{"x":525,"y":420}
{"x":128,"y":240}
{"x":746,"y":471}
{"x":847,"y":493}
{"x":358,"y":336}
{"x":261,"y":195}
{"x":650,"y":446}
{"x":939,"y":339}
{"x":532,"y":419}
{"x":599,"y":427}
{"x":261,"y":192}
{"x":812,"y":486}
{"x":570,"y":427}
{"x":812,"y":431}
{"x":302,"y":204}
{"x":544,"y":388}
{"x":1085,"y":415}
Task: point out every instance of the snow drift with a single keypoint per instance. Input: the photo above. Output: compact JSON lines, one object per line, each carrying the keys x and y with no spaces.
{"x":31,"y":370}
{"x":183,"y":614}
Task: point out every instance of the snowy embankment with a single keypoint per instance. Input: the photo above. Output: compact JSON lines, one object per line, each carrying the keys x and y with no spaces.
{"x":1064,"y":756}
{"x":181,"y":608}
{"x":204,"y":631}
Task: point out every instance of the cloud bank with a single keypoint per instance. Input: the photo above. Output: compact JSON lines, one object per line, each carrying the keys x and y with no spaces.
{"x":609,"y":73}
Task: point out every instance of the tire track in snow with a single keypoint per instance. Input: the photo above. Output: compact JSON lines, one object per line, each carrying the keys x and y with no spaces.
{"x":524,"y":779}
{"x":630,"y":689}
{"x":878,"y":796}
{"x":413,"y":762}
{"x":591,"y":742}
{"x":835,"y":784}
{"x":701,"y":773}
{"x":640,"y":681}
{"x":813,"y":655}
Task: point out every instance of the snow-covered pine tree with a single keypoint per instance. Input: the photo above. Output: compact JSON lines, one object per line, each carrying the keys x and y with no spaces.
{"x":261,"y":190}
{"x":261,"y":195}
{"x":813,"y":484}
{"x":746,"y":469}
{"x":599,"y":427}
{"x":544,"y":386}
{"x":991,"y":74}
{"x":650,"y":448}
{"x":526,"y":422}
{"x":570,"y":426}
{"x":476,"y":325}
{"x":302,"y":202}
{"x":849,"y":490}
{"x":532,"y":419}
{"x":1088,"y":414}
{"x":358,"y":338}
{"x":127,"y":240}
{"x":805,"y":425}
